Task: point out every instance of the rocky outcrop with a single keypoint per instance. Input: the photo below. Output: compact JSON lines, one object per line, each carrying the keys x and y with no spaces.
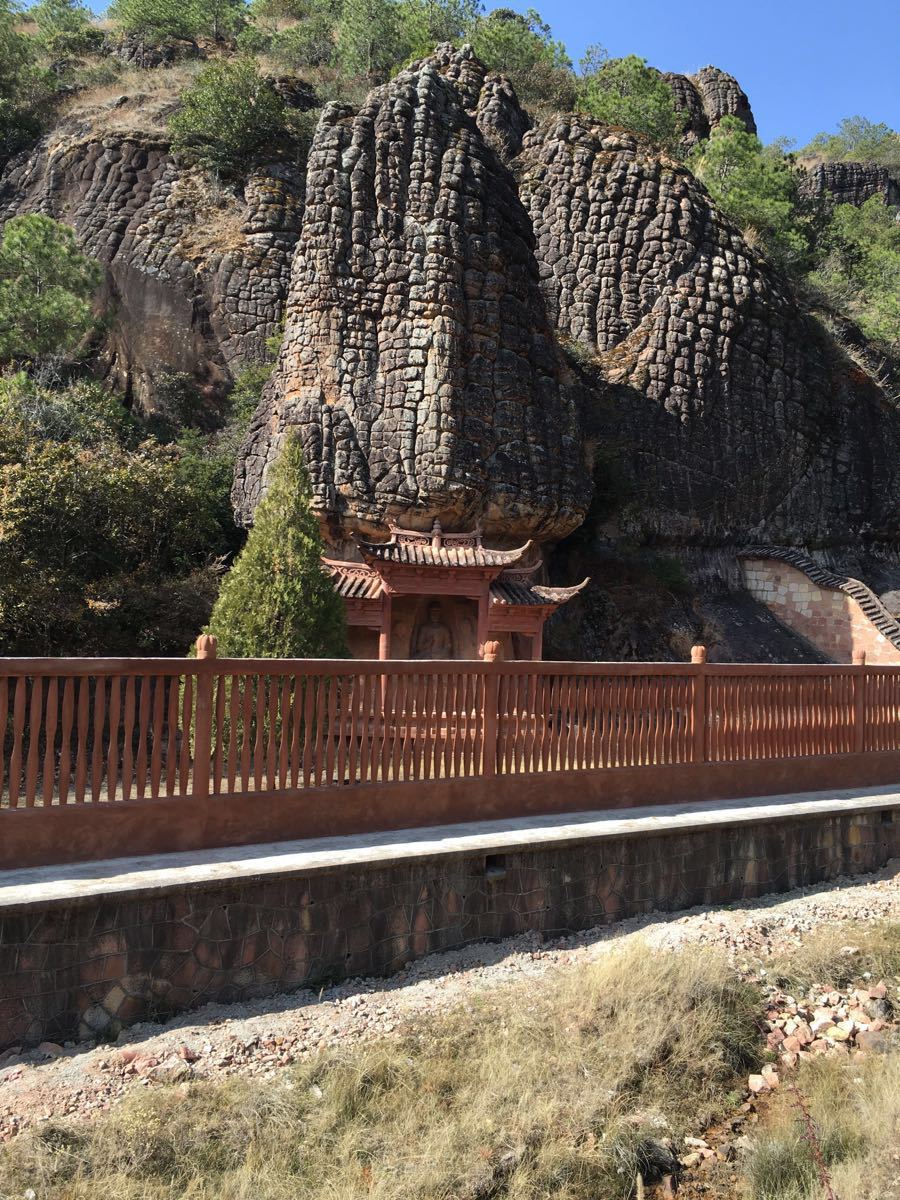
{"x":419,"y":366}
{"x":706,"y":98}
{"x":196,"y":281}
{"x":853,"y":182}
{"x":730,"y":412}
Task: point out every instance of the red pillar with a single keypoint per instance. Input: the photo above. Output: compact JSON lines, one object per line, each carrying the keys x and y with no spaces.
{"x":384,"y":633}
{"x":484,"y":600}
{"x":537,"y":643}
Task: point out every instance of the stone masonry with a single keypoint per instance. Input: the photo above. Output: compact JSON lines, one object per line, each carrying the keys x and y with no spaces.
{"x":831,"y":620}
{"x":89,"y":965}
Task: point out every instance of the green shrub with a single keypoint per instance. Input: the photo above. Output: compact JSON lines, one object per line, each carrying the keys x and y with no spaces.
{"x":625,"y":91}
{"x":276,"y":601}
{"x":859,"y":268}
{"x":230,"y":117}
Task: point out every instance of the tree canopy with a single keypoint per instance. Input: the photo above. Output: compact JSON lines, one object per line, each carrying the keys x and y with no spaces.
{"x":858,"y":140}
{"x":756,"y":187}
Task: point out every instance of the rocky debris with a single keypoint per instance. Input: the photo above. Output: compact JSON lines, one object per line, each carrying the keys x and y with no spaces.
{"x":826,"y":1020}
{"x":262,"y":1037}
{"x":295,"y":92}
{"x":197,"y":281}
{"x":419,"y":367}
{"x":136,"y":52}
{"x":853,"y":182}
{"x":706,"y":98}
{"x":729,"y":411}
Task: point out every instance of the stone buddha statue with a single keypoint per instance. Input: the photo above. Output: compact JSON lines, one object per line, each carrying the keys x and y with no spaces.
{"x":433,"y":638}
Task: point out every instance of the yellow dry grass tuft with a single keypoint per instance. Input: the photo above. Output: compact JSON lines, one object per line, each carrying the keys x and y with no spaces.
{"x":855,"y":1120}
{"x":544,"y":1089}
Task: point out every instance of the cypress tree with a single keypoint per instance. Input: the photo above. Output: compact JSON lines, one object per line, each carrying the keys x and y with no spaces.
{"x":277,"y":601}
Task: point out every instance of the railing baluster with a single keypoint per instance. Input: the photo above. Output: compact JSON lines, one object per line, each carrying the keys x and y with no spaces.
{"x":65,"y":740}
{"x":50,"y":720}
{"x":99,"y":725}
{"x":35,"y":721}
{"x":112,"y":756}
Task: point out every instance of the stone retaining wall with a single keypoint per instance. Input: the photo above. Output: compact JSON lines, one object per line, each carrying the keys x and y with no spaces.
{"x":831,"y":620}
{"x":90,"y":965}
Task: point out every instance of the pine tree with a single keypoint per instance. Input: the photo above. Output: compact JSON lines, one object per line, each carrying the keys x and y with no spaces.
{"x":46,"y":288}
{"x":277,"y":601}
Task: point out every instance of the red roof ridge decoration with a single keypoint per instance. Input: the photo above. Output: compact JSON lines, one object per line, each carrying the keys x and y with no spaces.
{"x":413,"y":547}
{"x":516,"y":592}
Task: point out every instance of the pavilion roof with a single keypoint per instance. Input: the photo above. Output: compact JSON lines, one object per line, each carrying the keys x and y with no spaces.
{"x":353,"y":580}
{"x":412,"y":547}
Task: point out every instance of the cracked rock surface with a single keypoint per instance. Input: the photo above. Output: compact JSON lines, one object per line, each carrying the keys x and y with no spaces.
{"x":731,"y":412}
{"x":854,"y":182}
{"x":197,"y":280}
{"x":419,"y":365}
{"x":706,"y":98}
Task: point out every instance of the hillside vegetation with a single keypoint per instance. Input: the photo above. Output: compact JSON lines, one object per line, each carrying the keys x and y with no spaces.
{"x":232,"y":87}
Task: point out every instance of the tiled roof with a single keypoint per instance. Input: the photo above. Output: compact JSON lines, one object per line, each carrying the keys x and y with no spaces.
{"x":436,"y":549}
{"x":353,"y":581}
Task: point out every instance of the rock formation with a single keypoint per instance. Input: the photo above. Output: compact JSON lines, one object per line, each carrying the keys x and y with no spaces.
{"x":729,"y":411}
{"x":197,"y":282}
{"x":706,"y":98}
{"x":853,"y":182}
{"x":419,"y":365}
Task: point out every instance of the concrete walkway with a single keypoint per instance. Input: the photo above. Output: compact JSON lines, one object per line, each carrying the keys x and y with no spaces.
{"x":149,"y":874}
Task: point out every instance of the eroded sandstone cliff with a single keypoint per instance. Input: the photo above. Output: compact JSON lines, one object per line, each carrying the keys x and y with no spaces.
{"x":196,"y":278}
{"x":728,"y":410}
{"x":854,"y":182}
{"x":419,"y":365}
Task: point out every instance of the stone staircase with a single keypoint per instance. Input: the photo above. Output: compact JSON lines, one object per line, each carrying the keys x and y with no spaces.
{"x":868,"y":601}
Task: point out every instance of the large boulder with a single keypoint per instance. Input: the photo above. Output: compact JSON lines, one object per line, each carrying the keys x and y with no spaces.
{"x":419,"y":365}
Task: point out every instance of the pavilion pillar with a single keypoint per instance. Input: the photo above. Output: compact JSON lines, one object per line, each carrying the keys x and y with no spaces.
{"x":384,"y":633}
{"x":537,"y":643}
{"x":484,"y":600}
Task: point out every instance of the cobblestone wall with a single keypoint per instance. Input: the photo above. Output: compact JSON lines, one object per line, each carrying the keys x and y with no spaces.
{"x":81,"y":968}
{"x":832,"y":621}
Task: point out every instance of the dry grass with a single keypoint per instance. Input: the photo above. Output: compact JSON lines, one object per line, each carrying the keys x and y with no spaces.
{"x":134,"y":101}
{"x":855,"y":1109}
{"x":837,"y":955}
{"x":551,"y":1089}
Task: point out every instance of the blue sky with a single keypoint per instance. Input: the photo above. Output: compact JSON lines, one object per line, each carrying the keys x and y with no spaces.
{"x":804,"y":65}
